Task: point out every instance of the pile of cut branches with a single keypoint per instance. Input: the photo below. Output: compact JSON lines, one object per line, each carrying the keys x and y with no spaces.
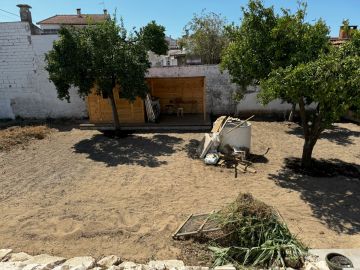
{"x":14,"y":136}
{"x":253,"y":233}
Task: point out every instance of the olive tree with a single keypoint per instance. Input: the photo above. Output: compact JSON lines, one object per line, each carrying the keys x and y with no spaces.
{"x":331,"y":83}
{"x":102,"y":56}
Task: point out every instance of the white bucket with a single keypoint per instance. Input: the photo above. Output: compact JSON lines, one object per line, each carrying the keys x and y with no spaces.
{"x":238,"y":137}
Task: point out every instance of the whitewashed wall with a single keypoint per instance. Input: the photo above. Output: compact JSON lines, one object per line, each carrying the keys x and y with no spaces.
{"x":220,"y":90}
{"x":25,"y":90}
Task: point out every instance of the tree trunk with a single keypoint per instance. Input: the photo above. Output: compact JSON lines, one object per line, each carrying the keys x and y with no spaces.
{"x":312,"y":132}
{"x":114,"y":111}
{"x":292,"y":112}
{"x":308,"y":147}
{"x":307,"y":153}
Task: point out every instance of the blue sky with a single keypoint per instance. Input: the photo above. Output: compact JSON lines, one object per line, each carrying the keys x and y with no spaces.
{"x":175,"y":14}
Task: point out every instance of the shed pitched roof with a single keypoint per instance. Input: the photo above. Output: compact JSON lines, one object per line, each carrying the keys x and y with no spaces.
{"x":82,"y":19}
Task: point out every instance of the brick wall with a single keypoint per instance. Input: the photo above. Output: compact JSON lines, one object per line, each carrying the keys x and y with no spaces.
{"x":25,"y":90}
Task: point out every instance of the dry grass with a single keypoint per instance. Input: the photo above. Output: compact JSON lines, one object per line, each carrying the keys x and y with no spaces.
{"x":15,"y":136}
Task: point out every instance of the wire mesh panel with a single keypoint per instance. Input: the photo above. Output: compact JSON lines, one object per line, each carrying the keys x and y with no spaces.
{"x":196,"y":224}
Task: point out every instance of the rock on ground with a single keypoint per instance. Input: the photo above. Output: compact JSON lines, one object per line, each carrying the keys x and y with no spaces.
{"x":4,"y":253}
{"x":35,"y":266}
{"x":170,"y":264}
{"x":109,"y":261}
{"x":127,"y":266}
{"x":45,"y":260}
{"x":11,"y":265}
{"x":166,"y":264}
{"x":85,"y":262}
{"x":114,"y":267}
{"x":225,"y":267}
{"x":19,"y":257}
{"x":157,"y":265}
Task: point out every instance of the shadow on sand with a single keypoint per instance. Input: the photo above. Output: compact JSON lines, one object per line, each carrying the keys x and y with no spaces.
{"x":133,"y":149}
{"x":191,"y":148}
{"x":336,"y":134}
{"x":333,"y":199}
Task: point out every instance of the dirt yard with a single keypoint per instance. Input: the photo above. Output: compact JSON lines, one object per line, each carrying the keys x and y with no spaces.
{"x":78,"y":192}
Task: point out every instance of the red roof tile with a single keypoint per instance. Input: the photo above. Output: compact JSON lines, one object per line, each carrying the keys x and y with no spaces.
{"x":82,"y":19}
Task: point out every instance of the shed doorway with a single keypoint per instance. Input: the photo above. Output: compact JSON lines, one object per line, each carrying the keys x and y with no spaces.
{"x":177,"y":96}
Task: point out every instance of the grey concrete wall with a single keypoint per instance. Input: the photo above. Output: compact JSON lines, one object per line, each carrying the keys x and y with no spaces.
{"x":25,"y":90}
{"x":220,"y":90}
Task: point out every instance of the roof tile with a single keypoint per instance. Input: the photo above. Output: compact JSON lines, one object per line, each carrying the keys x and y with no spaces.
{"x":83,"y":19}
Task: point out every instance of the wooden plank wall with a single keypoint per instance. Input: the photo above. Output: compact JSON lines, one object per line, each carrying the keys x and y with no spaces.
{"x":100,"y":111}
{"x":188,"y":89}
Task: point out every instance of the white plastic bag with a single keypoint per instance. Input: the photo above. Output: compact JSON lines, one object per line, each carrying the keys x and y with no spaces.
{"x":211,"y":158}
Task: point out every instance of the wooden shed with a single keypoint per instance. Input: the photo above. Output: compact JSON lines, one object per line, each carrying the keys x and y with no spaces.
{"x":187,"y":93}
{"x":100,"y":111}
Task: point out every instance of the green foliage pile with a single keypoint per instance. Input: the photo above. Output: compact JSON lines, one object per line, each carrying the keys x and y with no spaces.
{"x":254,"y":234}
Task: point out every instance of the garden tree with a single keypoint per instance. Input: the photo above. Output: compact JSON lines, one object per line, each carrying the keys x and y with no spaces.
{"x":266,"y":41}
{"x":205,"y":37}
{"x":104,"y":56}
{"x":331,"y":82}
{"x":153,"y":37}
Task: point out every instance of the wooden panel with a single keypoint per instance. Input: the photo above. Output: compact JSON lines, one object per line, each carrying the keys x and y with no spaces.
{"x":100,"y":109}
{"x":190,"y":90}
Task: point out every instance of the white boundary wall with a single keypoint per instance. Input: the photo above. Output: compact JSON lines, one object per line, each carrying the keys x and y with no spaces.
{"x":220,"y":90}
{"x":25,"y":90}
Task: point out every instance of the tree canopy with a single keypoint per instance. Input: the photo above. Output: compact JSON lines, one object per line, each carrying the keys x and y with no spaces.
{"x":331,"y":83}
{"x":265,"y":41}
{"x":205,"y":37}
{"x":103,"y":56}
{"x":153,"y":37}
{"x":292,"y":60}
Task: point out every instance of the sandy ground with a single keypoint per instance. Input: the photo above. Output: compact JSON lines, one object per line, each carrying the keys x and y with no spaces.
{"x":80,"y":193}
